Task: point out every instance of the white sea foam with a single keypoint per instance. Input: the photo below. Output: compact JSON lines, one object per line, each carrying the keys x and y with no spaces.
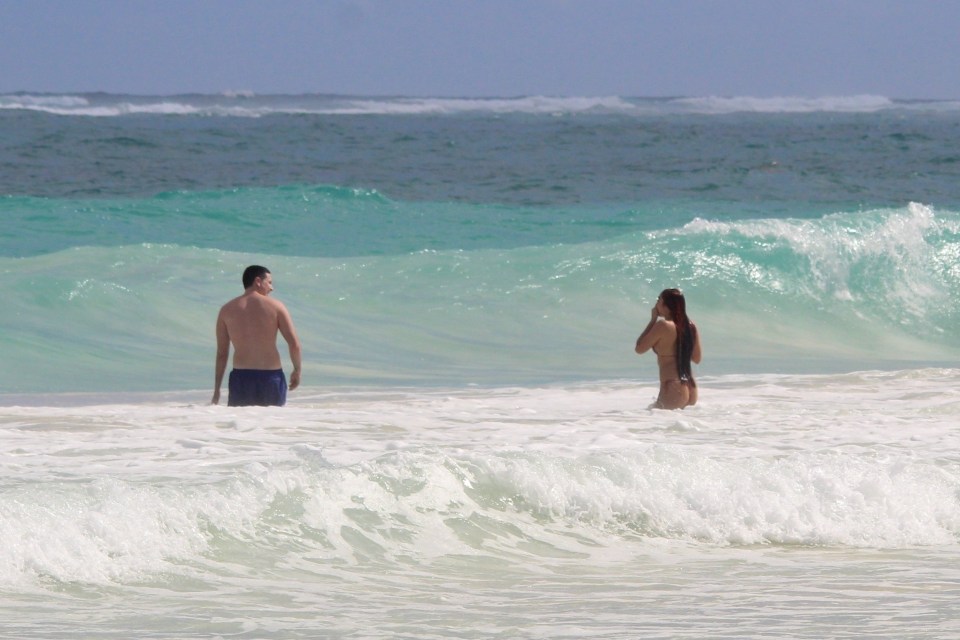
{"x":847,"y":104}
{"x":890,"y":263}
{"x":250,"y":105}
{"x":852,"y":459}
{"x":378,"y":496}
{"x":532,"y":105}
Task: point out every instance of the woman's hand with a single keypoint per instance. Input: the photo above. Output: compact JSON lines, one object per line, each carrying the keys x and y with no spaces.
{"x":650,"y":335}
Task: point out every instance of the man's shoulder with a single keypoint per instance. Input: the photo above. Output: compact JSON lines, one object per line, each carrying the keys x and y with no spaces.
{"x":231,"y":304}
{"x":243,"y":303}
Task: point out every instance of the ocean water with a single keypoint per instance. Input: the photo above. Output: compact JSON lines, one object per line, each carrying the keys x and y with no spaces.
{"x":471,"y":453}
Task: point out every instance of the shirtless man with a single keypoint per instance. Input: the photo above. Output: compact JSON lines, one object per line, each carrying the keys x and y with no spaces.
{"x":251,"y":322}
{"x":678,"y":389}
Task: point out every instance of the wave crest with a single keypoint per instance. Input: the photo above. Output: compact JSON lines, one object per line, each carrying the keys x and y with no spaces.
{"x":846,"y":104}
{"x":250,"y":105}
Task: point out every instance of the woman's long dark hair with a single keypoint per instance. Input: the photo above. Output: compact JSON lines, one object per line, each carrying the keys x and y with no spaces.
{"x":686,"y":332}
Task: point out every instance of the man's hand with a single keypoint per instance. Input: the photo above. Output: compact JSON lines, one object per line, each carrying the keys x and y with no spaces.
{"x":294,"y":379}
{"x":216,"y":397}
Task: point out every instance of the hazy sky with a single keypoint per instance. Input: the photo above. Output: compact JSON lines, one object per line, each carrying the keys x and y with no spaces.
{"x":471,"y":48}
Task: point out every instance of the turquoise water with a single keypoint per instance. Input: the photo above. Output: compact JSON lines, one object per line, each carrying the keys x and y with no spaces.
{"x":845,"y":291}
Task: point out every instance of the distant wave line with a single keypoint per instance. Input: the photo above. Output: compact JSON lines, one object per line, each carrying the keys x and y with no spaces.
{"x":248,"y":104}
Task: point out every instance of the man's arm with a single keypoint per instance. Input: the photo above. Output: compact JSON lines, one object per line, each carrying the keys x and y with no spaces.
{"x":289,"y":333}
{"x":223,"y":354}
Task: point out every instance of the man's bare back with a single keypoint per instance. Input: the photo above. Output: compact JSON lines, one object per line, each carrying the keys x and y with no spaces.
{"x":250,"y":323}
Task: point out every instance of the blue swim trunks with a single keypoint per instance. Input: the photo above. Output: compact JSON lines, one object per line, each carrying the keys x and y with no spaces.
{"x":257,"y":388}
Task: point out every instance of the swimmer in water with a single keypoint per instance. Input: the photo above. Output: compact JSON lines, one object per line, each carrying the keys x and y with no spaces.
{"x":676,"y":341}
{"x":250,"y":324}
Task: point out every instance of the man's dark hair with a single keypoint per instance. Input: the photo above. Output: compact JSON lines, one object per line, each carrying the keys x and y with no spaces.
{"x":253,"y":272}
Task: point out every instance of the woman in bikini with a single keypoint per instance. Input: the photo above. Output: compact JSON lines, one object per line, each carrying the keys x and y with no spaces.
{"x":676,"y":342}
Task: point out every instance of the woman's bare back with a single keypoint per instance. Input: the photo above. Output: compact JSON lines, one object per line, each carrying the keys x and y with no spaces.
{"x":674,"y":393}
